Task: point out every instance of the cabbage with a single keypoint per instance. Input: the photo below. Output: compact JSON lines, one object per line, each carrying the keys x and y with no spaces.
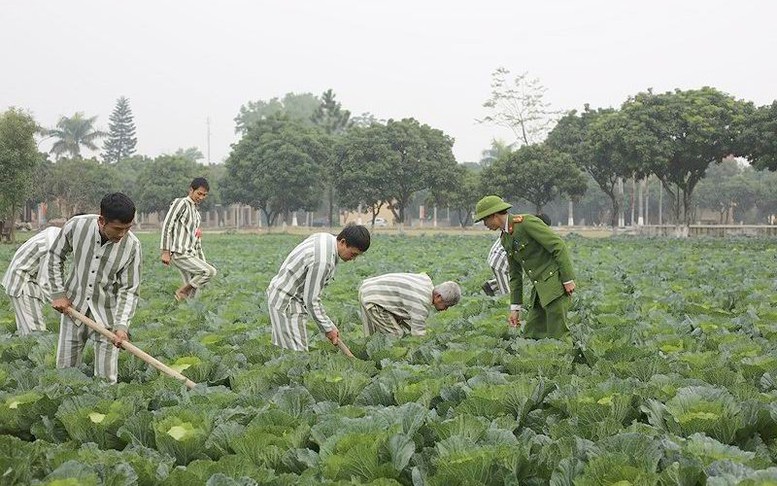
{"x":181,"y":433}
{"x":88,"y":418}
{"x":19,"y":411}
{"x":712,"y":411}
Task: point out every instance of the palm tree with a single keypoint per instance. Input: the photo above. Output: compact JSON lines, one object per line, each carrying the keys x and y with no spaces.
{"x":73,"y":132}
{"x":498,"y":149}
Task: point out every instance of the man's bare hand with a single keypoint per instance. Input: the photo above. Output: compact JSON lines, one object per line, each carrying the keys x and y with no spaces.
{"x":514,"y":319}
{"x":165,"y":257}
{"x":121,"y":336}
{"x":569,"y":287}
{"x":333,"y":336}
{"x":61,"y":304}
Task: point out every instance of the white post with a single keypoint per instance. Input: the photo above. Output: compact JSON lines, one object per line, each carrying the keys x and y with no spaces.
{"x":571,"y":218}
{"x":641,"y":217}
{"x":294,"y":219}
{"x":435,"y":216}
{"x":621,"y":218}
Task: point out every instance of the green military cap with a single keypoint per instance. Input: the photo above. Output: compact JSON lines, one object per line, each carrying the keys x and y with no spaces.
{"x":490,"y":205}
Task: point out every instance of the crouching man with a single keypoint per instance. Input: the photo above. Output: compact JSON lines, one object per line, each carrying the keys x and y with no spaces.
{"x":399,"y":303}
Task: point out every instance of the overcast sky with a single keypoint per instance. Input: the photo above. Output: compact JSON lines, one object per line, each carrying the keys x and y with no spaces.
{"x":182,"y":62}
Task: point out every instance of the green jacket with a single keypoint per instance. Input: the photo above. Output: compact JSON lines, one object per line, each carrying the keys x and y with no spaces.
{"x":532,"y":247}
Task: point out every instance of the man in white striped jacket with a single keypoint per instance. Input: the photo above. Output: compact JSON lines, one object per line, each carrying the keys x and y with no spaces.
{"x":181,"y":242}
{"x":399,"y":303}
{"x":294,"y":293}
{"x":103,"y":282}
{"x":26,"y":281}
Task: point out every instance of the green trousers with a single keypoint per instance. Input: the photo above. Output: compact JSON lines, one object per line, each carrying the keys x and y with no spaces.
{"x":547,"y":322}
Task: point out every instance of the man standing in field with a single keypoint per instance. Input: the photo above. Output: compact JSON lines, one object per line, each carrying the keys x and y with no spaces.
{"x":26,"y":281}
{"x":181,"y":242}
{"x":497,"y":260}
{"x":532,"y":247}
{"x":294,"y":293}
{"x":103,"y":282}
{"x":399,"y":303}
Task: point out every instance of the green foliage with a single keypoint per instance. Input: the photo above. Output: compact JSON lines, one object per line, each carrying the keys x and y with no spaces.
{"x":536,"y":173}
{"x":121,"y":139}
{"x":73,"y":132}
{"x":18,"y":160}
{"x":163,"y":180}
{"x":277,"y":167}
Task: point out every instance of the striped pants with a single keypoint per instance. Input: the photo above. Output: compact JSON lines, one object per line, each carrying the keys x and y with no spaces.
{"x":377,"y":319}
{"x":288,"y":327}
{"x":70,"y":349}
{"x":29,"y":314}
{"x":194,"y":271}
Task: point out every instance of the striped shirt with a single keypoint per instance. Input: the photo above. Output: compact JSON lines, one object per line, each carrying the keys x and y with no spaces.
{"x":406,"y":295}
{"x":179,"y":230}
{"x":28,"y":271}
{"x":103,"y":279}
{"x":497,"y":260}
{"x":304,"y":274}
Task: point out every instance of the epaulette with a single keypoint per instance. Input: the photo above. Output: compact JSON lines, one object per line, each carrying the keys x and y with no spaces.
{"x":516,"y":220}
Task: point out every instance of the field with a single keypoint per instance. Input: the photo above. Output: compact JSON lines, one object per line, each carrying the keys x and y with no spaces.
{"x":669,"y":377}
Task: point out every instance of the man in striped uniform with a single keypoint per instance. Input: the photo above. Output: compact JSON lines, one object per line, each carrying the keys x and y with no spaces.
{"x":181,"y":242}
{"x":294,"y":293}
{"x":26,"y":281}
{"x":497,"y":260}
{"x":103,"y":282}
{"x":399,"y":303}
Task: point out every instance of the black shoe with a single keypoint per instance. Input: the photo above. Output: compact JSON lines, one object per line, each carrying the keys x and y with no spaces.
{"x":488,"y":288}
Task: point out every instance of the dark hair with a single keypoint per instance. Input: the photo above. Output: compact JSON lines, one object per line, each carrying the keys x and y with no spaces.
{"x":199,"y":182}
{"x":355,"y":235}
{"x":544,"y":217}
{"x":117,"y":207}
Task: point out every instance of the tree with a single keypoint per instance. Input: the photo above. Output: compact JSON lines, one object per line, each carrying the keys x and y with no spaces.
{"x":330,"y":116}
{"x":416,"y":156}
{"x":192,"y":154}
{"x":498,"y":149}
{"x":334,"y":121}
{"x":759,"y":137}
{"x":677,"y":135}
{"x":360,"y":170}
{"x":366,"y":119}
{"x":77,"y":185}
{"x":594,"y":140}
{"x":276,"y":167}
{"x":518,"y":104}
{"x":73,"y":132}
{"x":299,"y":107}
{"x":727,"y":188}
{"x":164,"y":179}
{"x":465,"y":195}
{"x":535,"y":173}
{"x":18,"y":161}
{"x":121,"y":133}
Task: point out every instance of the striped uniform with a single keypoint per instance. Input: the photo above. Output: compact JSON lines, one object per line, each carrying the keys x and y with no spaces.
{"x":497,"y":260}
{"x":103,"y":283}
{"x":295,"y":292}
{"x":181,"y":236}
{"x":396,"y":303}
{"x":26,"y":281}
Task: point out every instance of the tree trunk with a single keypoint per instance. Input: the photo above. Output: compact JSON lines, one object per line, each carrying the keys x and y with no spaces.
{"x":641,"y":215}
{"x":621,"y":217}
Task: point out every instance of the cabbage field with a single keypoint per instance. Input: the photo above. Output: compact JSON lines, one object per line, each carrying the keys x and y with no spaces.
{"x":669,"y":377}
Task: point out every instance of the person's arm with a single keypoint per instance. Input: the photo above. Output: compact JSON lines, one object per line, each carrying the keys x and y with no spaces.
{"x":169,"y":228}
{"x":553,"y":244}
{"x":127,"y":292}
{"x":61,"y":247}
{"x":315,"y":280}
{"x":418,"y":322}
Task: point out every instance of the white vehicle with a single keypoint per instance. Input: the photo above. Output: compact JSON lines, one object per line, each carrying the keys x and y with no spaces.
{"x":380,"y":222}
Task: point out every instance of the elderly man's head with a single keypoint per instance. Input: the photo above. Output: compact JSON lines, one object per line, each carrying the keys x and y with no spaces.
{"x":445,"y":295}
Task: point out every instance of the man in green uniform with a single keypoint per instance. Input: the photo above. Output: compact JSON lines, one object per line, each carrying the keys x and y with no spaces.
{"x":535,"y":249}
